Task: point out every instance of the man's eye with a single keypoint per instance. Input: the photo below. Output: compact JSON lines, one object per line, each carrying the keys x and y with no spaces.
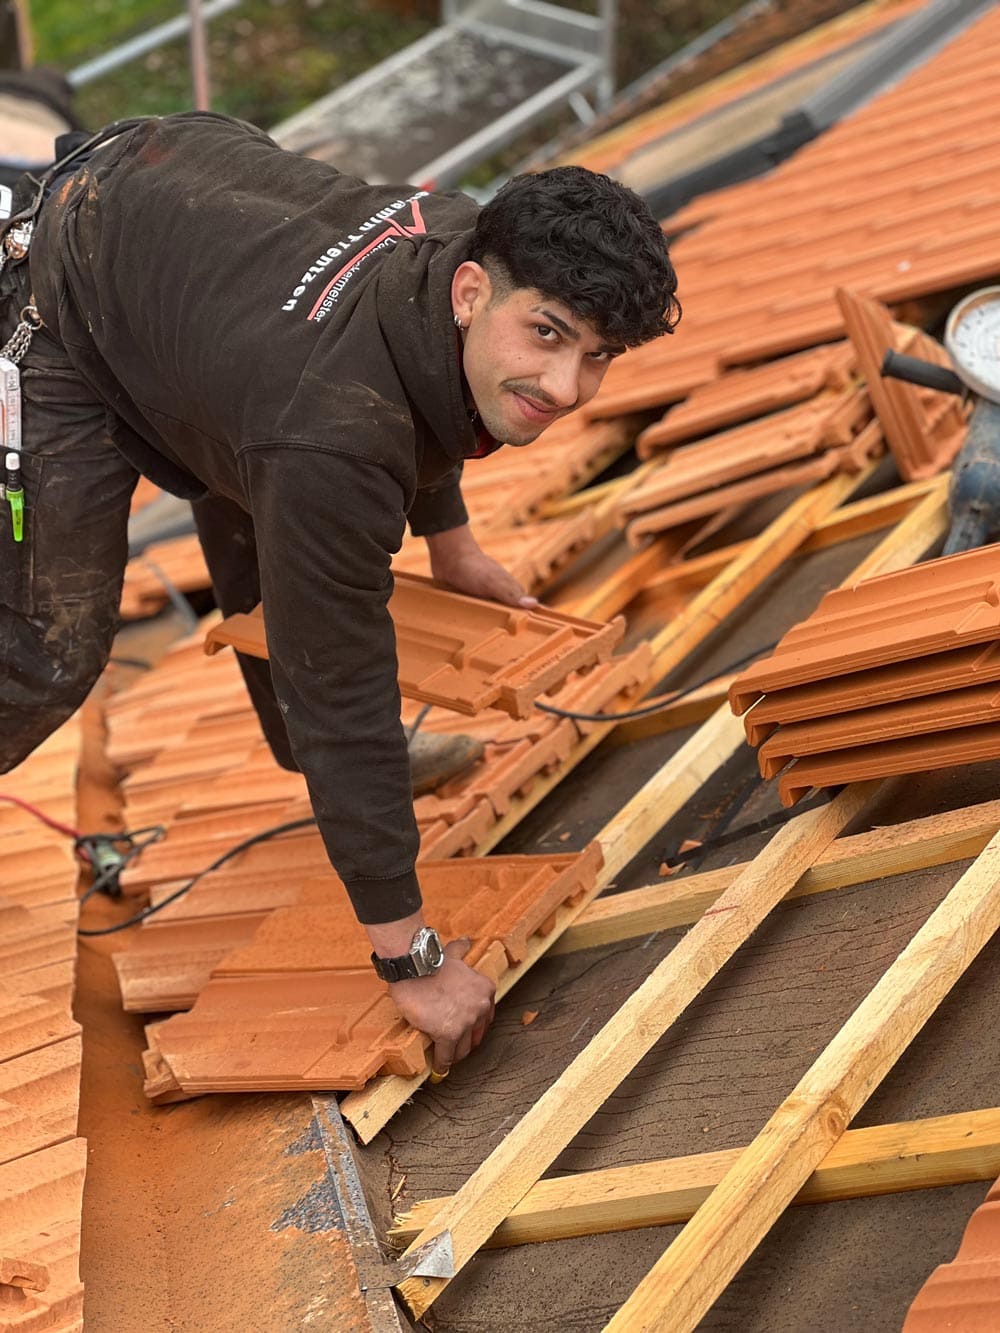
{"x":546,"y":331}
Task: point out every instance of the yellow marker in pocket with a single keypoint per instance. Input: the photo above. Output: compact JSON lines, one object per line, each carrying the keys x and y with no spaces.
{"x":15,"y":494}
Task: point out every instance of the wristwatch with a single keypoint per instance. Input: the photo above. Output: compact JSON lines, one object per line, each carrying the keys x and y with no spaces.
{"x":425,"y":956}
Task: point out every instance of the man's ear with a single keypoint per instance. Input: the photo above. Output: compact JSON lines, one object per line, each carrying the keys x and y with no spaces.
{"x":470,"y":290}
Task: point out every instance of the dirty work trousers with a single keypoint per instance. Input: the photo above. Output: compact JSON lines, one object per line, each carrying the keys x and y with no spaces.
{"x":60,"y":587}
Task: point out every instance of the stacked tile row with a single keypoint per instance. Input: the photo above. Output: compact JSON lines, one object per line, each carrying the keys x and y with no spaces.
{"x":831,"y":431}
{"x":280,"y":989}
{"x":42,"y":1161}
{"x":801,"y":418}
{"x":859,"y":208}
{"x":897,"y":674}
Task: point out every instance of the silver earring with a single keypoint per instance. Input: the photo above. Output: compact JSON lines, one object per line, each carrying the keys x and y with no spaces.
{"x":458,"y":322}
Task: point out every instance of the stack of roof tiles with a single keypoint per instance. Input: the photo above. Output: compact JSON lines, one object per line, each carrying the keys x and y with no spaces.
{"x":898,"y":674}
{"x":42,"y":1161}
{"x":795,"y":421}
{"x":190,"y":745}
{"x":829,"y":432}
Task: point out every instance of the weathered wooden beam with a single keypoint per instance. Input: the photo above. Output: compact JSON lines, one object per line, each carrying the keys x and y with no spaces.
{"x":714,"y":1245}
{"x":933,"y":841}
{"x":851,"y":520}
{"x":885,"y":1159}
{"x":530,"y":1148}
{"x":712,"y":745}
{"x":743,"y":575}
{"x":682,"y":712}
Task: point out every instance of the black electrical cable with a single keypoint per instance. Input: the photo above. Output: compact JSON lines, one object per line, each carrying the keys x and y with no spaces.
{"x":411,"y":732}
{"x":659,"y":707}
{"x":758,"y":826}
{"x":146,"y":912}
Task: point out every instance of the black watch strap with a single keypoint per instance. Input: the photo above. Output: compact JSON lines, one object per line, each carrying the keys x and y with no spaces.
{"x":395,"y":969}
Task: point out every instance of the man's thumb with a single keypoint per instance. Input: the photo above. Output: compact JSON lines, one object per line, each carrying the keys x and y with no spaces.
{"x":458,"y":948}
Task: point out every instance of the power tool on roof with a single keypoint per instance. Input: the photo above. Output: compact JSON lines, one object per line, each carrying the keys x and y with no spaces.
{"x":972,"y":340}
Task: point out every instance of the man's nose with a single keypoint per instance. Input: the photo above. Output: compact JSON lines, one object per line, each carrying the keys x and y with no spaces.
{"x":561,"y":383}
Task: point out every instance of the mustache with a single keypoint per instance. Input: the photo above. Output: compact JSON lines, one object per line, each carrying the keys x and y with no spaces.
{"x":533,"y":392}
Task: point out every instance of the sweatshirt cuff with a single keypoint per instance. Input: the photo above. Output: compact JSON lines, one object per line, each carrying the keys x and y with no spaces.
{"x":437,"y":511}
{"x":377,"y":901}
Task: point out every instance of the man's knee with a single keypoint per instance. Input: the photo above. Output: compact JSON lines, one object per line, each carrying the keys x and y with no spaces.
{"x":51,"y":661}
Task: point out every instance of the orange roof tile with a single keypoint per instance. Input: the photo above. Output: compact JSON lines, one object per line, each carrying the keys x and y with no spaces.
{"x":828,"y":420}
{"x":41,"y":1198}
{"x":179,"y":559}
{"x":916,"y":679}
{"x":913,"y":754}
{"x":533,"y":553}
{"x":720,"y":499}
{"x":299,"y":1007}
{"x":741,"y":395}
{"x":462,"y":653}
{"x":931,"y":608}
{"x":886,"y":722}
{"x":924,"y":429}
{"x":39,"y":1099}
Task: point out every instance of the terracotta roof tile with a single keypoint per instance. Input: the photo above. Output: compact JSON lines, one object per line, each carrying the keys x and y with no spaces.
{"x":462,"y":653}
{"x":265,"y":1019}
{"x":722,"y":498}
{"x":916,"y":679}
{"x":964,"y":1295}
{"x":858,"y":208}
{"x":914,"y":754}
{"x":533,"y":553}
{"x":28,"y":1022}
{"x":41,"y":1197}
{"x":39,"y":1099}
{"x":829,"y":420}
{"x":41,"y":1163}
{"x":886,"y":722}
{"x":935,"y":607}
{"x":923,"y":429}
{"x":179,"y":559}
{"x":741,"y":395}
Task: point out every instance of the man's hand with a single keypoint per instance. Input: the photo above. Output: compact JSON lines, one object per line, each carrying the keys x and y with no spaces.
{"x":454,"y":1006}
{"x":458,"y":561}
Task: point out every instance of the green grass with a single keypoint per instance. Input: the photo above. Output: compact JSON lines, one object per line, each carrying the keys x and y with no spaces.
{"x":267,"y":58}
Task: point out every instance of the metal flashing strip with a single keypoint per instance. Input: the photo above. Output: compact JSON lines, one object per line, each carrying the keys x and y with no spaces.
{"x":375,"y":1277}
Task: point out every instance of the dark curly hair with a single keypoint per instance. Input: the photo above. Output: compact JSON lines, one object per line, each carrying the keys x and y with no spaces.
{"x":585,"y":240}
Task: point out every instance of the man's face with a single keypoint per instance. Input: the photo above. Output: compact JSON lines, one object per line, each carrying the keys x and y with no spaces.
{"x":528,"y":361}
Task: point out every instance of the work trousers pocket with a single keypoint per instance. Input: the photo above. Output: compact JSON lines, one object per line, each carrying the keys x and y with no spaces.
{"x":17,"y":558}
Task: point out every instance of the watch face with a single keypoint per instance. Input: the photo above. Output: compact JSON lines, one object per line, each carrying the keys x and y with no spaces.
{"x":430,"y":948}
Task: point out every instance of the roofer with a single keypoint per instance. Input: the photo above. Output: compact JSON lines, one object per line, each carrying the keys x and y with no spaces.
{"x":309,"y":359}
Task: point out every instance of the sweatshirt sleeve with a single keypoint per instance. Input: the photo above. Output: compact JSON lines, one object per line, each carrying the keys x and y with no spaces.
{"x":327,"y":526}
{"x":440,"y":507}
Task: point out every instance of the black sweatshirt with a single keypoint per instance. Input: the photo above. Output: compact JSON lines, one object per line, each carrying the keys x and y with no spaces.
{"x":265,"y":328}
